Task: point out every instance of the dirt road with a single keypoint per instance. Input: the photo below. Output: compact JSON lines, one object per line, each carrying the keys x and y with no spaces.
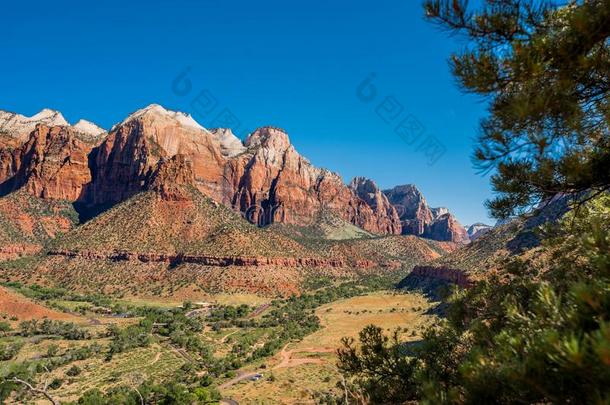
{"x":287,"y":359}
{"x":240,"y":377}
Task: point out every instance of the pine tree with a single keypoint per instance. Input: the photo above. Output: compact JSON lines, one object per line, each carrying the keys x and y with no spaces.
{"x":546,"y":73}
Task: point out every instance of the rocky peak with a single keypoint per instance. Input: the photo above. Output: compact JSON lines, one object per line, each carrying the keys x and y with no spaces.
{"x":89,"y":128}
{"x":50,"y":116}
{"x":269,"y":137}
{"x":412,"y":208}
{"x":417,"y":218}
{"x":476,"y":230}
{"x":131,"y":151}
{"x":408,"y":200}
{"x":437,"y":212}
{"x":52,"y":164}
{"x":155,"y":112}
{"x":230,"y":145}
{"x":447,"y":228}
{"x":154,"y":147}
{"x":19,"y":126}
{"x":387,"y":217}
{"x":364,"y":188}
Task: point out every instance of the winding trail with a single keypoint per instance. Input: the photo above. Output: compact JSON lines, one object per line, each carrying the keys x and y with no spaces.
{"x":224,"y":338}
{"x":287,"y":361}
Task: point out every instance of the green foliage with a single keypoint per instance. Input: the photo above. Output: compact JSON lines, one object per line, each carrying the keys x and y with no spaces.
{"x":128,"y":338}
{"x":383,"y":358}
{"x":73,"y":371}
{"x":172,"y":393}
{"x":67,"y":330}
{"x":545,"y":71}
{"x":5,"y":327}
{"x":37,"y":292}
{"x":9,"y":350}
{"x":22,"y":371}
{"x":228,"y":312}
{"x":52,"y":350}
{"x":540,"y":335}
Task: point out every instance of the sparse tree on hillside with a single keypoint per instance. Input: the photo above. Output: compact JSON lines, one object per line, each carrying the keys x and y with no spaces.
{"x":5,"y":327}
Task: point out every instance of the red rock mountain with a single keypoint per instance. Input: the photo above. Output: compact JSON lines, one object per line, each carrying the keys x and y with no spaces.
{"x":19,"y":127}
{"x":417,"y":218}
{"x":264,"y":177}
{"x":52,"y":164}
{"x":385,"y":213}
{"x":280,"y":185}
{"x":412,"y":208}
{"x":447,"y":228}
{"x":123,"y":163}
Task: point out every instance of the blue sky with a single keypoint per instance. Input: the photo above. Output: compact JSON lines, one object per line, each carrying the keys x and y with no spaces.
{"x":293,"y":64}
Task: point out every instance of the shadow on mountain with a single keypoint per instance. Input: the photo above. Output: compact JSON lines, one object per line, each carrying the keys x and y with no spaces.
{"x":432,"y":288}
{"x":88,"y":212}
{"x":528,"y":238}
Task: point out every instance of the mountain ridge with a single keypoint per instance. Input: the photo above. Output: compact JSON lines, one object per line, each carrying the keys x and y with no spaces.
{"x":263,"y":177}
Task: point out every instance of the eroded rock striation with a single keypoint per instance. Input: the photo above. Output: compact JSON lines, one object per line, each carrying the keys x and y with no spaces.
{"x":280,"y":185}
{"x":386,"y":215}
{"x":307,"y":262}
{"x":52,"y":164}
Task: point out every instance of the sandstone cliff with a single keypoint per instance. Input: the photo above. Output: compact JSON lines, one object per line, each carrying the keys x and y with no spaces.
{"x":52,"y":164}
{"x":19,"y":127}
{"x":386,"y":215}
{"x":417,"y":218}
{"x":280,"y":185}
{"x":447,"y":228}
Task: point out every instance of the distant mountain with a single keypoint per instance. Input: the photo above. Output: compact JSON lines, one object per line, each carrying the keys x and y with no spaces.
{"x":19,"y":127}
{"x":417,"y":218}
{"x":437,"y":212}
{"x":89,"y":129}
{"x":263,"y":177}
{"x":488,"y":252}
{"x":478,"y":229}
{"x":385,"y":213}
{"x":53,"y":163}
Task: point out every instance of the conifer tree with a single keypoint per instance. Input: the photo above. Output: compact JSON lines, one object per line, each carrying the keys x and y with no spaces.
{"x":546,"y":72}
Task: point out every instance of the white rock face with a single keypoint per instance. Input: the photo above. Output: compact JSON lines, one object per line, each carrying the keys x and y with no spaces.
{"x":88,"y":128}
{"x":439,"y":211}
{"x":477,"y":230}
{"x":19,"y":126}
{"x":230,"y":145}
{"x":185,"y":120}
